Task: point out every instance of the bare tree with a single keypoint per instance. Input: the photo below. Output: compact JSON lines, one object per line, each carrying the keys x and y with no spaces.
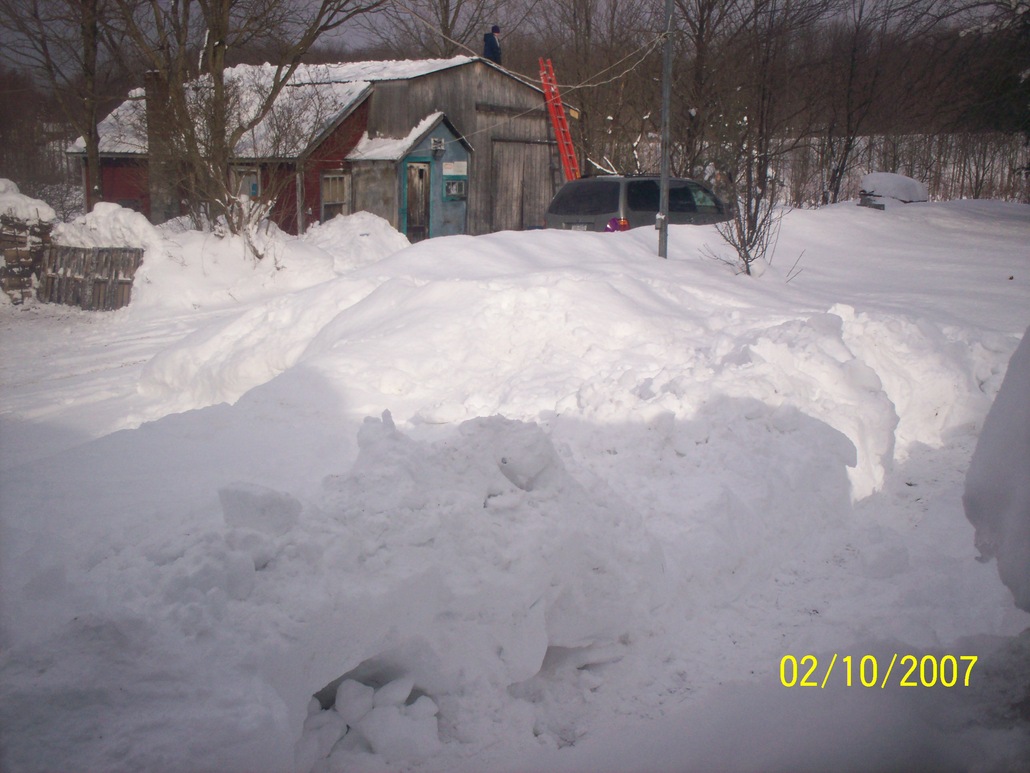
{"x":606,"y":56}
{"x":764,"y":119}
{"x":435,"y":28}
{"x":708,"y":29}
{"x":867,"y":54}
{"x":188,"y":45}
{"x":65,"y":43}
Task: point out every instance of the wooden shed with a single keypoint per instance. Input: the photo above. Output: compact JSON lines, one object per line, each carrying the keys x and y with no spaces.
{"x":437,"y":147}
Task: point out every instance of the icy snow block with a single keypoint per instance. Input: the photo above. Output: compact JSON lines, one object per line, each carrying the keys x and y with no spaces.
{"x":353,"y":700}
{"x":997,"y":494}
{"x":249,"y":506}
{"x":395,"y":693}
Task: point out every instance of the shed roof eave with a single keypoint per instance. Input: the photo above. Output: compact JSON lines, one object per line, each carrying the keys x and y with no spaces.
{"x":333,"y":125}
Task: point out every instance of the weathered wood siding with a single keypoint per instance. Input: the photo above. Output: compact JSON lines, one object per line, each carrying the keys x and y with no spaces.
{"x":95,"y":279}
{"x":375,"y":190}
{"x":496,"y":113}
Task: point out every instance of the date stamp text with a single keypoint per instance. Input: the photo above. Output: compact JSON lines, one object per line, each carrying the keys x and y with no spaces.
{"x":870,"y":671}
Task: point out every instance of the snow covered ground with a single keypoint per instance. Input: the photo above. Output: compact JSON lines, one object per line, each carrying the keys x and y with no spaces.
{"x":527,"y":501}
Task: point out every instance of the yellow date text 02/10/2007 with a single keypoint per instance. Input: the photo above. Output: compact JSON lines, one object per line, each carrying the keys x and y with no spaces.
{"x":869,"y":671}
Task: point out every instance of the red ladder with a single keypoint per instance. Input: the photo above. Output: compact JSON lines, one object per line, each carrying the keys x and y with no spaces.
{"x":561,"y":126}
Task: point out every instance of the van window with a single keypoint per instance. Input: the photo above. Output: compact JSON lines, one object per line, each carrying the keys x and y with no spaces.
{"x":597,"y":197}
{"x":645,"y":196}
{"x":680,"y":198}
{"x":705,"y":201}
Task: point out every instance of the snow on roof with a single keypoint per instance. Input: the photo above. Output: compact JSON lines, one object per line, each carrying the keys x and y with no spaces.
{"x":375,"y":70}
{"x":315,"y":97}
{"x":124,"y":129}
{"x":392,"y":148}
{"x":301,"y":113}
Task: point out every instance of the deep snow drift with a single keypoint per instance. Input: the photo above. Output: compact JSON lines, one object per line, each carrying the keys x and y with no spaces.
{"x":525,"y":501}
{"x":997,"y":495}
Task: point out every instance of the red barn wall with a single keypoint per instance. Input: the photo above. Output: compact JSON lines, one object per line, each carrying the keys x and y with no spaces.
{"x":330,"y":155}
{"x":124,"y":182}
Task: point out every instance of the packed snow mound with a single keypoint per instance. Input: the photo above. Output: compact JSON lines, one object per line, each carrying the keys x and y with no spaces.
{"x":893,"y":186}
{"x":194,"y":270}
{"x":108,"y":225}
{"x":356,"y":240}
{"x":997,"y":495}
{"x":494,"y":326}
{"x":17,"y":205}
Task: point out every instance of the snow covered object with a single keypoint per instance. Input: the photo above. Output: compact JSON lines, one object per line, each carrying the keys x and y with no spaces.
{"x":997,"y":495}
{"x":879,"y":188}
{"x":25,"y":225}
{"x":14,"y":204}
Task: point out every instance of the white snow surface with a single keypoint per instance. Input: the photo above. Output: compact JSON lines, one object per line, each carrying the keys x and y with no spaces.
{"x":16,"y":204}
{"x":997,"y":496}
{"x":524,"y":501}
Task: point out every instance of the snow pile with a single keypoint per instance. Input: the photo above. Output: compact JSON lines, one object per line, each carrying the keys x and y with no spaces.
{"x":475,"y":532}
{"x":893,"y":186}
{"x":526,"y":501}
{"x":192,"y":270}
{"x":109,"y":225}
{"x":997,"y":495}
{"x":17,"y":205}
{"x":356,"y":240}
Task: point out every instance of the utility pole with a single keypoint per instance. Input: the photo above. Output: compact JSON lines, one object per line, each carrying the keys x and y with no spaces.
{"x":662,"y":221}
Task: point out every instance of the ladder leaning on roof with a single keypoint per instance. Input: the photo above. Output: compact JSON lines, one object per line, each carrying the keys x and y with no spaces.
{"x":570,"y":165}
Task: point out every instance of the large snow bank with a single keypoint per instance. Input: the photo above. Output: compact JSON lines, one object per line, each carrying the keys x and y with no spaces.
{"x":997,"y":496}
{"x":22,"y":207}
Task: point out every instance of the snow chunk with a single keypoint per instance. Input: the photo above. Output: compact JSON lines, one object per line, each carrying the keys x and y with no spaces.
{"x":997,"y":495}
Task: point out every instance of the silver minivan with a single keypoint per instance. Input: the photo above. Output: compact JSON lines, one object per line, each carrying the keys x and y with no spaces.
{"x":618,"y":203}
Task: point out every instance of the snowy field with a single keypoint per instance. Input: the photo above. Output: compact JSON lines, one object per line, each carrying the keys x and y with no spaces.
{"x":527,"y":501}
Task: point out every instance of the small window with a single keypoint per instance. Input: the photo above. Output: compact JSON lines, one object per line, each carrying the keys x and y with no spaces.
{"x":455,"y":190}
{"x":336,"y":195}
{"x":247,"y":182}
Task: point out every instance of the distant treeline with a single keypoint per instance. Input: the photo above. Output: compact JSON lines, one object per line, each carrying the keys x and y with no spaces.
{"x":772,"y":100}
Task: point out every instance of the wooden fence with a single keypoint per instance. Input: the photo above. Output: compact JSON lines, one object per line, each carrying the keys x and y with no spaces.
{"x":92,"y":278}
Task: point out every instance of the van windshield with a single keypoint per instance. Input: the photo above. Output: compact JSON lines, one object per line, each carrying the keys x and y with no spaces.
{"x":597,"y":197}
